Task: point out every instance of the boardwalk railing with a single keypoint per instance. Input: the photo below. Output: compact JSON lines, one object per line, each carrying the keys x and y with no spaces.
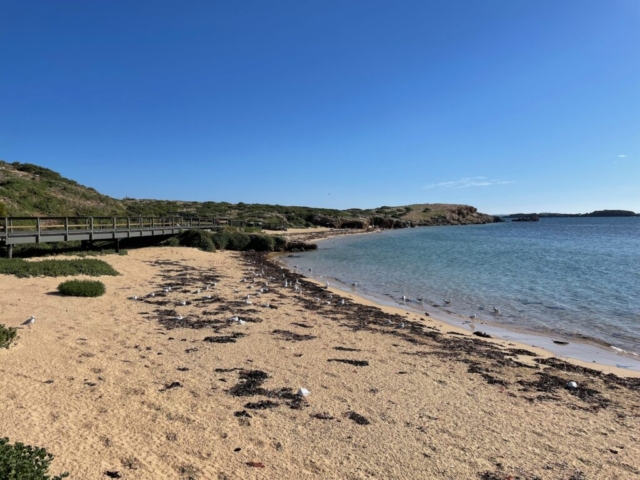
{"x":21,"y":230}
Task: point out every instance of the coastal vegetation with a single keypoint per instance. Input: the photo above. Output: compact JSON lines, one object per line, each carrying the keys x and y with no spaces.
{"x":227,"y":239}
{"x":32,"y":190}
{"x":8,"y":335}
{"x":82,"y":288}
{"x":55,"y":268}
{"x":24,"y":462}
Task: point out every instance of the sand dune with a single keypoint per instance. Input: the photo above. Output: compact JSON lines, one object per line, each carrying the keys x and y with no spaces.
{"x":115,"y":385}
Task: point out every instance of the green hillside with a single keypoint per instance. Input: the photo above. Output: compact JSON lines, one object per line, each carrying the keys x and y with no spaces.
{"x":31,"y":190}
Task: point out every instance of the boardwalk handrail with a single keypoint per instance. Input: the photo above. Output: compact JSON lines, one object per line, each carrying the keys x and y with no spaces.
{"x":16,"y":225}
{"x":40,"y":227}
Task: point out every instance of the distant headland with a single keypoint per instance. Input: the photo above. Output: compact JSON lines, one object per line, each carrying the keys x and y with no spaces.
{"x":532,"y":217}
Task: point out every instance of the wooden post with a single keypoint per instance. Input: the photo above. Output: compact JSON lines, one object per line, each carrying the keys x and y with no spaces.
{"x":129,"y":224}
{"x":66,"y":228}
{"x":6,"y":226}
{"x":117,"y":245}
{"x":9,"y":251}
{"x":38,"y":225}
{"x":91,"y":226}
{"x":114,"y":226}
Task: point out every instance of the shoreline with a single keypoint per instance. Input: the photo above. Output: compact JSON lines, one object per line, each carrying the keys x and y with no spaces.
{"x":581,"y":351}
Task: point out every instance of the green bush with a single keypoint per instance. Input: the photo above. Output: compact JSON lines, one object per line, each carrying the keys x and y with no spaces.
{"x":280,"y":244}
{"x":262,"y":243}
{"x":170,"y":242}
{"x":220,"y":239}
{"x":82,"y":288}
{"x":24,"y":462}
{"x":8,"y":335}
{"x":238,"y":241}
{"x":55,"y":268}
{"x":197,"y":239}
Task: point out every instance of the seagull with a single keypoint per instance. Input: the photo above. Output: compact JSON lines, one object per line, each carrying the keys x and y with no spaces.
{"x":404,"y":298}
{"x":241,"y":322}
{"x":152,"y":294}
{"x":179,"y":317}
{"x":326,"y":284}
{"x":401,"y":325}
{"x":342,"y":302}
{"x":234,"y":319}
{"x":286,"y":284}
{"x":183,"y":303}
{"x":135,"y":297}
{"x":448,"y":302}
{"x":388,"y":322}
{"x":496,"y":310}
{"x":30,"y":321}
{"x":198,"y":290}
{"x":473,"y":315}
{"x":207,"y":296}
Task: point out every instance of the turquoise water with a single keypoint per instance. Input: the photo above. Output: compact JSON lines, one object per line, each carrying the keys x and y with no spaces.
{"x":564,"y":276}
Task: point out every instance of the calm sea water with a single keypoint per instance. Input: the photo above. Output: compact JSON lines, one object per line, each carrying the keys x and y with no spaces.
{"x":562,"y":276}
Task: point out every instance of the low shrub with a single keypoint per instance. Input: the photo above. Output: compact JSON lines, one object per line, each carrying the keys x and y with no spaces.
{"x":261,"y":243}
{"x":238,"y":241}
{"x":82,"y":288}
{"x":170,"y":242}
{"x":197,"y":239}
{"x":55,"y":268}
{"x":24,"y":462}
{"x":220,"y":239}
{"x":8,"y":335}
{"x":280,"y":244}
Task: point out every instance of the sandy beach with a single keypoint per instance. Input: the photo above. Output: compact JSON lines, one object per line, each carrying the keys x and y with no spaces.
{"x":117,"y":388}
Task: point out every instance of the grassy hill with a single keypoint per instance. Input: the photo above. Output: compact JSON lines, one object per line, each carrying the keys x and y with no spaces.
{"x":31,"y":190}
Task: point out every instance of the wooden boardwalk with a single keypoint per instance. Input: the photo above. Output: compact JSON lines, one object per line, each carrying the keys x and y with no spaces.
{"x":22,"y":230}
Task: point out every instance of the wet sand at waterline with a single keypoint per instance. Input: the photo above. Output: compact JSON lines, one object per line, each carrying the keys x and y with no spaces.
{"x":115,"y":385}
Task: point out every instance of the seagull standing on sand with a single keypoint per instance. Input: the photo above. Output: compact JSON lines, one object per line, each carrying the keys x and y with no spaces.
{"x":30,"y":321}
{"x":496,"y":310}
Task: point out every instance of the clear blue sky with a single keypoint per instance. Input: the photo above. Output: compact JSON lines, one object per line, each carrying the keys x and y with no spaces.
{"x":508,"y":105}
